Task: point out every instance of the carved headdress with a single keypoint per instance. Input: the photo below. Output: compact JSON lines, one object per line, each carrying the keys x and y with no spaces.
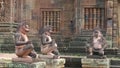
{"x":45,"y":29}
{"x":97,"y":29}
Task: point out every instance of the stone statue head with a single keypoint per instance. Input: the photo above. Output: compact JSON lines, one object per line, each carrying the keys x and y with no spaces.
{"x":23,"y":26}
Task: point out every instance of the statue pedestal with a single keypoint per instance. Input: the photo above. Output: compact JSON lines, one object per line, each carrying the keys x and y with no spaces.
{"x":25,"y":60}
{"x":9,"y":63}
{"x":27,"y":65}
{"x":95,"y":63}
{"x":39,"y":63}
{"x":4,"y":62}
{"x":55,"y":63}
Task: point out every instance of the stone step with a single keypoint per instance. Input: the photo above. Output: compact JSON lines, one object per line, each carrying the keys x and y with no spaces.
{"x":80,"y":38}
{"x":7,"y":48}
{"x":86,"y":32}
{"x":72,"y":49}
{"x":71,"y":43}
{"x":7,"y":29}
{"x":111,"y":51}
{"x":89,"y":32}
{"x":7,"y":41}
{"x":82,"y":49}
{"x":62,"y":44}
{"x":7,"y":24}
{"x":10,"y":48}
{"x":6,"y":35}
{"x":77,"y":43}
{"x":114,"y":66}
{"x":76,"y":62}
{"x":115,"y":62}
{"x":118,"y":54}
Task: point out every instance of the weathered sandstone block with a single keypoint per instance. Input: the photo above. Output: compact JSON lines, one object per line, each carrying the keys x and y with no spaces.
{"x":95,"y":63}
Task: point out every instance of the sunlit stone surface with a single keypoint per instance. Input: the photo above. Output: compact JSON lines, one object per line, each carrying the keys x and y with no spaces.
{"x":95,"y":63}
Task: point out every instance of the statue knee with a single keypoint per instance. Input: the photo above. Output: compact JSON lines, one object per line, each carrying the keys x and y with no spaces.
{"x":56,"y":52}
{"x":90,"y":49}
{"x":101,"y":53}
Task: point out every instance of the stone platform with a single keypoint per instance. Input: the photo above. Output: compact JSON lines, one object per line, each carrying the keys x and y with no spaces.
{"x":55,"y":63}
{"x":95,"y":63}
{"x":6,"y":61}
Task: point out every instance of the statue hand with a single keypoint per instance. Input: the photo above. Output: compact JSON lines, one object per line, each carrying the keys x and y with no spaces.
{"x":29,"y":42}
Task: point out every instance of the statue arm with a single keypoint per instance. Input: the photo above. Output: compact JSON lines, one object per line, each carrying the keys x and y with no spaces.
{"x":104,"y":43}
{"x":18,"y":40}
{"x":44,"y":40}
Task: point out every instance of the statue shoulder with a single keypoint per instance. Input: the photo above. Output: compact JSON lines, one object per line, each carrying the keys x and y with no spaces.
{"x":18,"y":34}
{"x":43,"y":35}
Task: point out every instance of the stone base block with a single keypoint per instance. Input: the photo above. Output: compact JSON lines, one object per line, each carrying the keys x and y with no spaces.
{"x":38,"y":65}
{"x":8,"y":63}
{"x":18,"y":65}
{"x":55,"y":63}
{"x":27,"y":65}
{"x":41,"y":63}
{"x":26,"y":60}
{"x":4,"y":62}
{"x":95,"y":63}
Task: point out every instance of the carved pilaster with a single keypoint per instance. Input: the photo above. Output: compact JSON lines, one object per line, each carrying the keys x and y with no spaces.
{"x":109,"y":20}
{"x":115,"y":23}
{"x":112,"y":21}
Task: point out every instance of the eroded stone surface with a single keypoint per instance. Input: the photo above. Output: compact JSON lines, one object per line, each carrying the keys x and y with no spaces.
{"x":6,"y":61}
{"x":95,"y":63}
{"x":55,"y":63}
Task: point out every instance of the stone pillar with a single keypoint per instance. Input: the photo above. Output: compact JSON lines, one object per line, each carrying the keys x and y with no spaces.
{"x":112,"y":22}
{"x":12,"y":14}
{"x":115,"y":24}
{"x":109,"y":20}
{"x":119,"y":23}
{"x":12,"y":4}
{"x":22,"y":12}
{"x":29,"y":5}
{"x":77,"y":16}
{"x":28,"y":9}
